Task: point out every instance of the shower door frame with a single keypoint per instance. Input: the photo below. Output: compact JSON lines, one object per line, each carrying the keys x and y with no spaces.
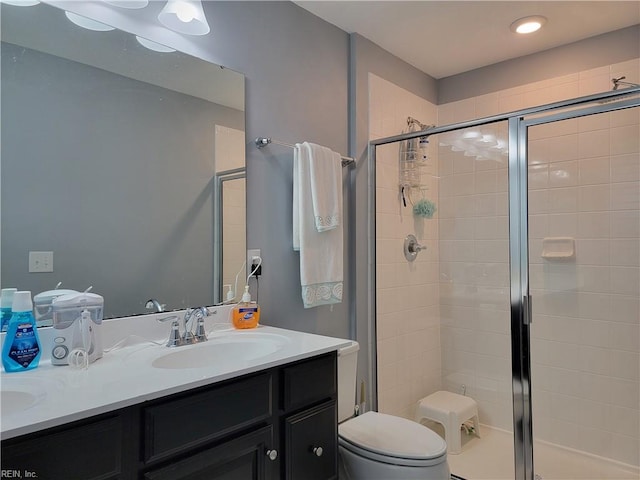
{"x":520,"y":298}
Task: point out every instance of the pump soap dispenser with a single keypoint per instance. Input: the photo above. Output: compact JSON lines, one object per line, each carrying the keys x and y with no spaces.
{"x":247,"y":313}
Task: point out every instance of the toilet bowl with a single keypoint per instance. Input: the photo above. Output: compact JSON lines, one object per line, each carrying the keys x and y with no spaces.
{"x":377,"y":446}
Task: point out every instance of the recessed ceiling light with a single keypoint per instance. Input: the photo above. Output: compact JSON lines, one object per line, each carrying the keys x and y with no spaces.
{"x":528,"y":24}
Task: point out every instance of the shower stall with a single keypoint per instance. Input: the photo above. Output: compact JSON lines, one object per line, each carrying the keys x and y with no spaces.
{"x":527,"y":291}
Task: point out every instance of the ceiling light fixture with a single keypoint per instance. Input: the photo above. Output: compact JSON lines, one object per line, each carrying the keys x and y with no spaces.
{"x":151,"y":45}
{"x":128,"y":3}
{"x":184,"y":16}
{"x":528,"y":24}
{"x":87,"y":23}
{"x":21,"y":3}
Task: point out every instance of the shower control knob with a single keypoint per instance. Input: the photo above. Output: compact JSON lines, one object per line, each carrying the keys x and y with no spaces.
{"x":318,"y":451}
{"x":412,"y":247}
{"x":272,"y":454}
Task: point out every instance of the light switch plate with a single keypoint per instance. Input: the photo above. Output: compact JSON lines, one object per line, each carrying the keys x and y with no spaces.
{"x":40,"y":262}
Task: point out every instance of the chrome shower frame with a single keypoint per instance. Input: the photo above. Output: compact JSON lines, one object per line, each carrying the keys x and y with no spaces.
{"x":521,"y":302}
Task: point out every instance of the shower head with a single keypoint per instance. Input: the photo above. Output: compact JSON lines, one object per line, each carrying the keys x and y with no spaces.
{"x":617,"y":82}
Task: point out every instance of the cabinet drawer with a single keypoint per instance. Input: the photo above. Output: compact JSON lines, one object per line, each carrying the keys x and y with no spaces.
{"x":183,"y":423}
{"x":244,"y":458}
{"x":309,"y":381}
{"x":311,"y":440}
{"x":88,"y":451}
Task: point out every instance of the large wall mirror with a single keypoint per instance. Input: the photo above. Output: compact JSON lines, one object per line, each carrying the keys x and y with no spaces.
{"x":112,"y":159}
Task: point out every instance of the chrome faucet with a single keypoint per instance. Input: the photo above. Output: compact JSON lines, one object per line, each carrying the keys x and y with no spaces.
{"x":194,"y":315}
{"x":188,"y":336}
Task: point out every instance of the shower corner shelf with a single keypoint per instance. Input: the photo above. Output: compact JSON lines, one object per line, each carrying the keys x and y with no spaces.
{"x":558,"y":248}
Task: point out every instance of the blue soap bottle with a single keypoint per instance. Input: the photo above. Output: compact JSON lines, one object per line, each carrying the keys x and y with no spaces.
{"x":6,"y":300}
{"x":21,"y":350}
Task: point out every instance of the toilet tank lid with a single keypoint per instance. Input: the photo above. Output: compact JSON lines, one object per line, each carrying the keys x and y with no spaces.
{"x":392,"y":436}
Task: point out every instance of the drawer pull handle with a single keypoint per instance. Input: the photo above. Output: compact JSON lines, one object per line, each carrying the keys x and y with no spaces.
{"x":272,"y":454}
{"x":318,"y":451}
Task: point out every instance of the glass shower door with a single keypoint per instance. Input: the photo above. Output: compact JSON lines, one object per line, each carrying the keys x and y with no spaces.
{"x":584,"y":281}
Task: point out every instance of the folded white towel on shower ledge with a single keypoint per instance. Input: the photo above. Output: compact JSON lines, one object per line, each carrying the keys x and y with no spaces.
{"x":317,"y":223}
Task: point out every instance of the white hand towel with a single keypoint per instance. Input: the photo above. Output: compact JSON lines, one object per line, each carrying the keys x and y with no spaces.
{"x":321,"y":262}
{"x":326,"y":187}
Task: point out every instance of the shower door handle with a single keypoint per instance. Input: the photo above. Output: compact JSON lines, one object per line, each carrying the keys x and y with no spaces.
{"x":527,"y":310}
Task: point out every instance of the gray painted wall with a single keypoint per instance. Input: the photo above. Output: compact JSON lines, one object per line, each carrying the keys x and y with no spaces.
{"x":605,"y":49}
{"x":113,"y":175}
{"x":305,"y":80}
{"x":296,"y":69}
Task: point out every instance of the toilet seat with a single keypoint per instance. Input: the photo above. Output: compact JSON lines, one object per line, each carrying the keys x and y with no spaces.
{"x":394,"y":440}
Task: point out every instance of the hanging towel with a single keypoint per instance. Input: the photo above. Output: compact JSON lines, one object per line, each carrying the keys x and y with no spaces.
{"x":317,"y":223}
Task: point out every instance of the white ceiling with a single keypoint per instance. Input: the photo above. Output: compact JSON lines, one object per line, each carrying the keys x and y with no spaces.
{"x":443,"y":38}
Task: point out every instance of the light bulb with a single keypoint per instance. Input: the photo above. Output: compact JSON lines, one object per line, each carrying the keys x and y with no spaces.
{"x":186,"y":12}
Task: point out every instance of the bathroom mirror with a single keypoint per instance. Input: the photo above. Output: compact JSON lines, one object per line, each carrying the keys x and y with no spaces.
{"x":110,"y":159}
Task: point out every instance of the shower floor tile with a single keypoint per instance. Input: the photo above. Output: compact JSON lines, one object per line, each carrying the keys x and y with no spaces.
{"x":491,"y":458}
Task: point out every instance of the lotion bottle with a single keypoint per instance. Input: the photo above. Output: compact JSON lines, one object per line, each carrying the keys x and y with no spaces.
{"x":21,"y":350}
{"x":247,"y":313}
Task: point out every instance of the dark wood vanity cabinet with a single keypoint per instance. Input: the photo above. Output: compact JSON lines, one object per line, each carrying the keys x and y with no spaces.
{"x":275,"y":424}
{"x":89,"y":450}
{"x":310,"y":420}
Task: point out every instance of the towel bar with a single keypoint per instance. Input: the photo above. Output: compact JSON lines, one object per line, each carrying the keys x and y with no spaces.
{"x":264,"y":141}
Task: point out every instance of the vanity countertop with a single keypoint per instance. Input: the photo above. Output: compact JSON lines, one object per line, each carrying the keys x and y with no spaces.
{"x":136,"y":373}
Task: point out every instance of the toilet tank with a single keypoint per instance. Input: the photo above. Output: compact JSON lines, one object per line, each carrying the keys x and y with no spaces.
{"x":347,"y":369}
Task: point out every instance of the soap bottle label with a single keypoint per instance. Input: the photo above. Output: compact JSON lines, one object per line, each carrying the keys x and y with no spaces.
{"x":24,"y":347}
{"x":246,"y":316}
{"x":247,"y":313}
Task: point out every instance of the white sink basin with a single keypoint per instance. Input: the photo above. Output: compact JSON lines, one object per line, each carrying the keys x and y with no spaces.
{"x":239,"y":347}
{"x":20,"y":394}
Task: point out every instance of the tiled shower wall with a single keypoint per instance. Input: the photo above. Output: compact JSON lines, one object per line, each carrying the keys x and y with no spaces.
{"x":584,"y":179}
{"x":586,"y":335}
{"x":408,"y":322}
{"x":585,"y":185}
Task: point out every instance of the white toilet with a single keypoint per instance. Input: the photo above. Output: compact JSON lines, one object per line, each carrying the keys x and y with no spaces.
{"x":376,"y":446}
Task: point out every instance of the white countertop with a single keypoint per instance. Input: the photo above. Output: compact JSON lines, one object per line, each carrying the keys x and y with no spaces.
{"x":126,"y":376}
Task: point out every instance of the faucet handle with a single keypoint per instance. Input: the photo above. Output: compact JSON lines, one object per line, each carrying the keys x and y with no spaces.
{"x":170,"y":318}
{"x":201,"y":334}
{"x":175,"y":339}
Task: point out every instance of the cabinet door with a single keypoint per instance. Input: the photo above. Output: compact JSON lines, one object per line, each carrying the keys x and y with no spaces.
{"x":92,"y":451}
{"x":244,"y":458}
{"x":311,"y":444}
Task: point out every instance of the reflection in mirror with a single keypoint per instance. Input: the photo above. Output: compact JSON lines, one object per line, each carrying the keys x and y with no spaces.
{"x":110,"y":153}
{"x":229,"y":246}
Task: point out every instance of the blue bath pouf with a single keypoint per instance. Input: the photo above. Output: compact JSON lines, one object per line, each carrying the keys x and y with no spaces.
{"x":424,"y":208}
